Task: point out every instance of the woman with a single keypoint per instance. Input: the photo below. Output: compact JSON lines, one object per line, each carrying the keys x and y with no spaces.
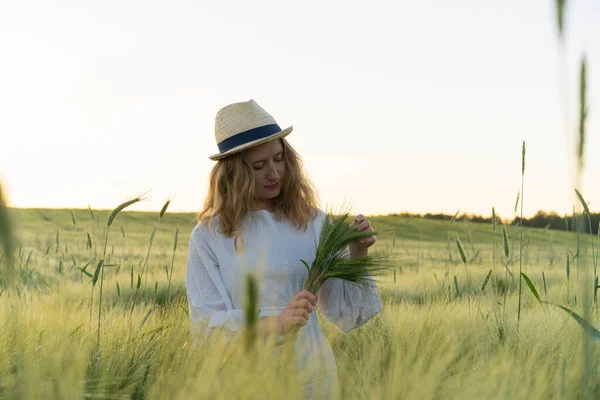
{"x":261,"y":216}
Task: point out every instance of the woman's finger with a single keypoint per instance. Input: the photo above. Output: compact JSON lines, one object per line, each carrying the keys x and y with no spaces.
{"x":364,"y":225}
{"x":357,"y":220}
{"x":299,"y":321}
{"x":302,"y":304}
{"x":305,"y":294}
{"x":305,"y":304}
{"x":368,"y":241}
{"x":300,"y":312}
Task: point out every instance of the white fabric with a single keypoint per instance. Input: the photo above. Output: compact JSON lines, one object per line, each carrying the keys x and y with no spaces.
{"x":216,"y":274}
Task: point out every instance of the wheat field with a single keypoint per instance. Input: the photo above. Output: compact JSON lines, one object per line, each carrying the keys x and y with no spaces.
{"x":437,"y":337}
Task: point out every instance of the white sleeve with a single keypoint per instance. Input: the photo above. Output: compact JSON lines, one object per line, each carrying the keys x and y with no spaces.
{"x":348,"y":305}
{"x":208,"y":300}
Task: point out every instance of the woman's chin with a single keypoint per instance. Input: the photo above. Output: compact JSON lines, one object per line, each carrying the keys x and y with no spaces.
{"x":271,"y":194}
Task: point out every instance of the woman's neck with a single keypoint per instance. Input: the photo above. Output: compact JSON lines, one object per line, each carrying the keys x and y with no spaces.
{"x":265,"y":205}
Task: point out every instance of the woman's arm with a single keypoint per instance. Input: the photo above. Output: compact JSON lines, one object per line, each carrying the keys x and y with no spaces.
{"x":207,"y":298}
{"x":348,"y":305}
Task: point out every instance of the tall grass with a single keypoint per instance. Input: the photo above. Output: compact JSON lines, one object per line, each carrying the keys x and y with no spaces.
{"x":145,"y":264}
{"x":172,"y":264}
{"x":587,"y":378}
{"x":463,"y":257}
{"x":507,"y":258}
{"x":7,"y":242}
{"x":494,"y":226}
{"x":586,"y":212}
{"x":521,"y":226}
{"x":403,"y":352}
{"x":102,"y":264}
{"x":583,"y":281}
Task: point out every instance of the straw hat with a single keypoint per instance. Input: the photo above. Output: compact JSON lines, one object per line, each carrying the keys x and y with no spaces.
{"x":239,"y":126}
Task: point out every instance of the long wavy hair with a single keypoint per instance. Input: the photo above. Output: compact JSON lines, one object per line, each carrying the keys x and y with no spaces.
{"x":231,"y":194}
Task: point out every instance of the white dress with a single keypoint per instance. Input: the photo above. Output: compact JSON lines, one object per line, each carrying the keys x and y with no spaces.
{"x":216,"y":291}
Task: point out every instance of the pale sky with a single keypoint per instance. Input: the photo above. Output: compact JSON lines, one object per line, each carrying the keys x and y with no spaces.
{"x":397,"y":106}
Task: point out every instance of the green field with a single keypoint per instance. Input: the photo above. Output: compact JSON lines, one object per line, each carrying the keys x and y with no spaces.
{"x":437,"y":337}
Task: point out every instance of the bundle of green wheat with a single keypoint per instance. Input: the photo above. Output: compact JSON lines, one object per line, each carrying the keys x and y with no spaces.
{"x":333,"y":259}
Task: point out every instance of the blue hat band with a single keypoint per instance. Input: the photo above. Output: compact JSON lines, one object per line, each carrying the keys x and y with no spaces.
{"x":248,"y":136}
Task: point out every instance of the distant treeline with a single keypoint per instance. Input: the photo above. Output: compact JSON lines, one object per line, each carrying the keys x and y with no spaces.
{"x":541,"y":219}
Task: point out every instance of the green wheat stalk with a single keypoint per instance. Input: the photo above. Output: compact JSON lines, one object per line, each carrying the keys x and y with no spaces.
{"x":506,"y":255}
{"x":160,"y":216}
{"x":587,"y":376}
{"x":582,"y":116}
{"x":494,"y":225}
{"x":586,"y":212}
{"x":7,"y":241}
{"x":545,"y":288}
{"x":486,"y":280}
{"x":250,"y":311}
{"x":463,"y":257}
{"x":521,"y":226}
{"x":172,"y":264}
{"x":568,"y":271}
{"x":100,"y":268}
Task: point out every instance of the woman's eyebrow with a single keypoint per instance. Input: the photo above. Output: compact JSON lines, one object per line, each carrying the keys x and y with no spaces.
{"x":255,"y":161}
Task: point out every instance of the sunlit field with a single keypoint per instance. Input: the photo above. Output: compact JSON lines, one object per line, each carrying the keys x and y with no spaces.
{"x":439,"y":335}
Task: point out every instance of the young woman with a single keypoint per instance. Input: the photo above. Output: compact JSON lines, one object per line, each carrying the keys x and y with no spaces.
{"x":261,"y":216}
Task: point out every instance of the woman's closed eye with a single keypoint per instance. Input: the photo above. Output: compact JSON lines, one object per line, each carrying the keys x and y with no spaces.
{"x":261,"y":165}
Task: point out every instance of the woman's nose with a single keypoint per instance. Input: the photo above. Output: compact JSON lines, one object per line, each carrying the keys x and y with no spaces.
{"x":273,"y":173}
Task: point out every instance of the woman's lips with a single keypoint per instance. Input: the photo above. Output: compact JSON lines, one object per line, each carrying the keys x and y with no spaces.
{"x":274,"y":186}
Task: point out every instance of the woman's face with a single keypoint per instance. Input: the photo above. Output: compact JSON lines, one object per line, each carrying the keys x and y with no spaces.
{"x":269,"y":168}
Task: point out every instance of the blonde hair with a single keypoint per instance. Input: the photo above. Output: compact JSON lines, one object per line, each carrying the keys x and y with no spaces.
{"x":231,"y":194}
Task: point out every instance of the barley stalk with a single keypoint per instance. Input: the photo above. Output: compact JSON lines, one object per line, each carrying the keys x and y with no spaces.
{"x":560,"y":11}
{"x":521,"y":226}
{"x":485,"y":281}
{"x":463,"y":257}
{"x":545,"y":289}
{"x":588,"y":377}
{"x":7,"y":241}
{"x":250,"y":311}
{"x":163,"y":210}
{"x":506,"y":255}
{"x":582,"y":116}
{"x":109,"y":222}
{"x":494,"y":223}
{"x":172,"y":264}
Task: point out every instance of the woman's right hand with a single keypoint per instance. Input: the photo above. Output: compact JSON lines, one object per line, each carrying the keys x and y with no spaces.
{"x":297,"y":311}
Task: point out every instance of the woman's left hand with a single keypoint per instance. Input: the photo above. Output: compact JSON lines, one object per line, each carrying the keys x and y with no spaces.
{"x":360,"y":248}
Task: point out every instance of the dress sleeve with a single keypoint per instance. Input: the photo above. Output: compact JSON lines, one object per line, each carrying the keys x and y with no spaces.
{"x":348,"y":305}
{"x":208,"y":300}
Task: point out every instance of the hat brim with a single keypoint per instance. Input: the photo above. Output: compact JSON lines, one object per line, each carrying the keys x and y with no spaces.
{"x":245,"y":146}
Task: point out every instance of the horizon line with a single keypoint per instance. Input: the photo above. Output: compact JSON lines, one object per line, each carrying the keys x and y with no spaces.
{"x":395,"y":213}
